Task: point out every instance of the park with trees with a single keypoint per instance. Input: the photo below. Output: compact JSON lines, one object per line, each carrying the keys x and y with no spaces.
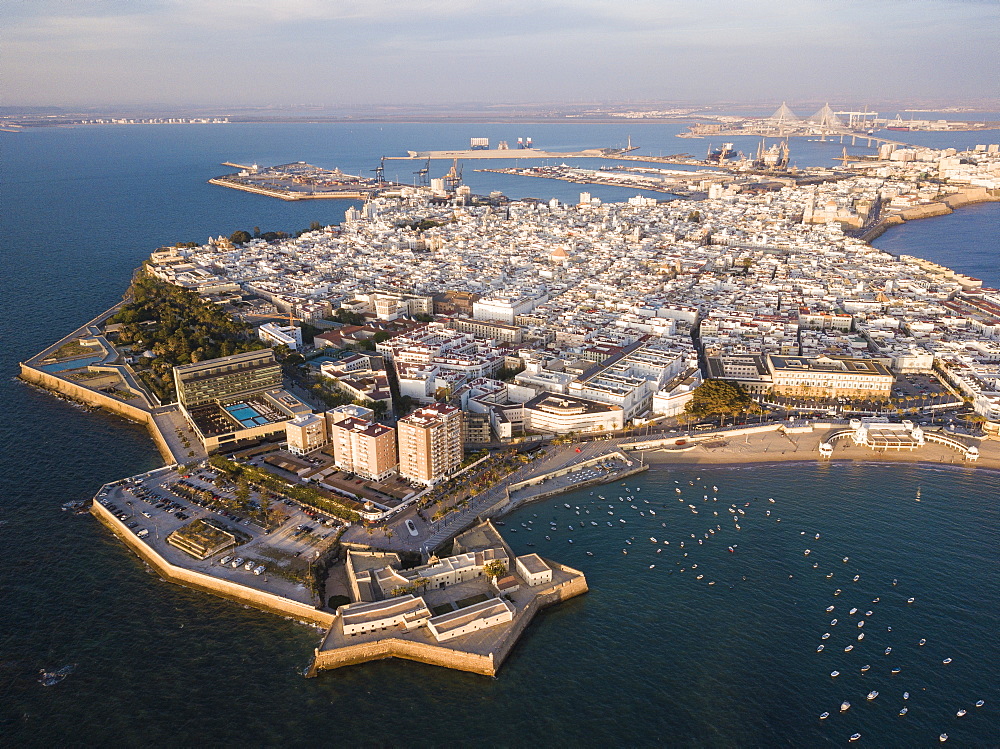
{"x":167,"y":326}
{"x":719,"y":399}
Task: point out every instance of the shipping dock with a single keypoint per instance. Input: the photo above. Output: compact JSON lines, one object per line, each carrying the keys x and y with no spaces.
{"x":302,"y":181}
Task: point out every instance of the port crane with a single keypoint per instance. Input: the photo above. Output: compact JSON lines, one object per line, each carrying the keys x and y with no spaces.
{"x":380,"y":171}
{"x":454,"y":176}
{"x":423,"y":175}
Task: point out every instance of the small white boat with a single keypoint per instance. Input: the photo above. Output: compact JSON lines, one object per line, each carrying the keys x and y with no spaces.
{"x":865,"y":667}
{"x":837,"y":592}
{"x":771,"y":500}
{"x":824,"y":716}
{"x":853,"y":611}
{"x":896,"y":670}
{"x":857,"y":577}
{"x":943,"y":737}
{"x":830,"y":608}
{"x":980,"y":703}
{"x":651,"y":566}
{"x":849,"y":648}
{"x":872,"y":694}
{"x":833,"y":622}
{"x":960,"y":713}
{"x":807,"y":552}
{"x":888,"y":650}
{"x":826,"y":636}
{"x":820,"y":648}
{"x":861,"y":636}
{"x":835,"y":674}
{"x":906,"y":695}
{"x":909,"y":600}
{"x":845,"y":706}
{"x":922,"y":641}
{"x":855,"y":736}
{"x":946,"y":661}
{"x":904,"y":711}
{"x":845,"y":559}
{"x":861,"y":624}
{"x":868,"y":613}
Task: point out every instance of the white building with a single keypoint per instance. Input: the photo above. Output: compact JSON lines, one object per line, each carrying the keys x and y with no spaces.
{"x":503,"y":309}
{"x":281,"y":335}
{"x":533,"y":569}
{"x":464,"y":621}
{"x":306,"y":433}
{"x":409,"y":611}
{"x":562,"y":414}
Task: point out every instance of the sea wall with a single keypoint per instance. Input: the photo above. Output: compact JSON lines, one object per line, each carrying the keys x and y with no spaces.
{"x":434,"y":655}
{"x":206,"y":583}
{"x":91,"y":397}
{"x":498,"y":511}
{"x":576,"y":586}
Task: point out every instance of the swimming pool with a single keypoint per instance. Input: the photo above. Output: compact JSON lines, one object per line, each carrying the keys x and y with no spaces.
{"x":247,"y":415}
{"x":63,"y":366}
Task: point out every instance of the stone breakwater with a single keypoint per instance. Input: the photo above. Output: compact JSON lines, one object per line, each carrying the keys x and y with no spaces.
{"x":943,"y":207}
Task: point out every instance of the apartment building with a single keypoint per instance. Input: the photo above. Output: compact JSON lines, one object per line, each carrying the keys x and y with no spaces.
{"x":430,"y":443}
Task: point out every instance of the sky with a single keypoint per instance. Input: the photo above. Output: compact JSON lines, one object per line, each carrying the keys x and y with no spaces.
{"x":378,"y":53}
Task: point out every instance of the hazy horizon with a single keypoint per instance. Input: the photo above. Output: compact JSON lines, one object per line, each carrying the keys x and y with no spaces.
{"x":350,"y":54}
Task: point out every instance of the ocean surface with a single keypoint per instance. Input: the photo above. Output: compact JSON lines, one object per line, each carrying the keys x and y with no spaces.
{"x":652,"y":656}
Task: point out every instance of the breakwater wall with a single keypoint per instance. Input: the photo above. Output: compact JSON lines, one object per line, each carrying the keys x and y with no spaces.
{"x":449,"y":657}
{"x":206,"y":583}
{"x":942,"y":207}
{"x":285,"y":195}
{"x":83,"y":394}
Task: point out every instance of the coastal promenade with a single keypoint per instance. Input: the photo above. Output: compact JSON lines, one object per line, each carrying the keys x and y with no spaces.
{"x":560,"y":469}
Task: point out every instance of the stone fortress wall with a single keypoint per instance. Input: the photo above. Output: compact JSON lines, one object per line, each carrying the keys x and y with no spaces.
{"x":448,"y":657}
{"x":207,"y":584}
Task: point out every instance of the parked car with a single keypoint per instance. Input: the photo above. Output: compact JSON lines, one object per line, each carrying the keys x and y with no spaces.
{"x":226,"y":559}
{"x":259,"y":569}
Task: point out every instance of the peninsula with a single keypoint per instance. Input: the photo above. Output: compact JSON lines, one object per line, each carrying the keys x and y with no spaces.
{"x":344,"y":414}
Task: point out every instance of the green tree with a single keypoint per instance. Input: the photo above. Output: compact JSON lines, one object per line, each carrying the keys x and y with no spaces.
{"x":496,"y":568}
{"x":718,"y":398}
{"x":242,"y":493}
{"x":240,"y":237}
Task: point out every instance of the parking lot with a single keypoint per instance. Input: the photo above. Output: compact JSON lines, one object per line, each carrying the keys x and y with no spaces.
{"x":154,"y":506}
{"x":918,"y":386}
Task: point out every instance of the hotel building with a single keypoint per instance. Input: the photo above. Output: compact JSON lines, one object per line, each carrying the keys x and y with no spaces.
{"x":830,"y":377}
{"x":236,"y":400}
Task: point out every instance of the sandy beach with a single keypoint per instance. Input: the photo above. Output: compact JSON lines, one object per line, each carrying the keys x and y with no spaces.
{"x":779,"y":447}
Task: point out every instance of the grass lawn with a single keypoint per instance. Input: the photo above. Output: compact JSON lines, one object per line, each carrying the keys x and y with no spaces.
{"x":73,"y":348}
{"x":478,"y":598}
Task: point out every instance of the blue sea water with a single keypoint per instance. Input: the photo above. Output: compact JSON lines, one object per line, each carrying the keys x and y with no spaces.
{"x":647,"y":658}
